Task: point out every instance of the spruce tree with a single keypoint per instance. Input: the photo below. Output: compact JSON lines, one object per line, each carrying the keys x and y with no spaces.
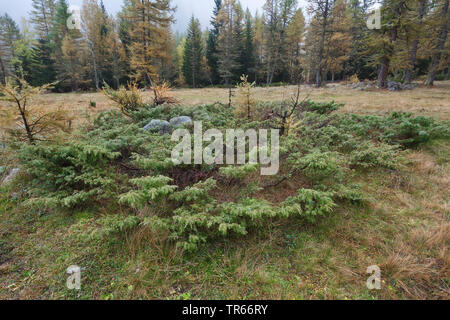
{"x":248,"y":61}
{"x":193,"y":54}
{"x":211,"y":48}
{"x":42,"y":16}
{"x":239,"y":43}
{"x":228,"y":54}
{"x":43,"y":64}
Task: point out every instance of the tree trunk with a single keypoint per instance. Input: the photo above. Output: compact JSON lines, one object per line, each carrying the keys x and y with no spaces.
{"x":415,"y":46}
{"x":322,"y":45}
{"x":442,"y":38}
{"x":383,"y":73}
{"x":96,"y":79}
{"x":25,"y":123}
{"x":386,"y":60}
{"x":2,"y":66}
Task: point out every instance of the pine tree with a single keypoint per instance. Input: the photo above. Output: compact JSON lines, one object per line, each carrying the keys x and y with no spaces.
{"x":42,"y":63}
{"x":259,"y":48}
{"x":211,"y":49}
{"x":248,"y":56}
{"x":193,"y":54}
{"x":42,"y":16}
{"x":239,"y":40}
{"x":59,"y":27}
{"x":124,"y":30}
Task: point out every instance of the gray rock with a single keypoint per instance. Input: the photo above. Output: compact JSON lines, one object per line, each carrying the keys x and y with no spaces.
{"x":11,"y":176}
{"x":394,"y":86}
{"x":408,"y":86}
{"x":161,"y":126}
{"x":183,"y":121}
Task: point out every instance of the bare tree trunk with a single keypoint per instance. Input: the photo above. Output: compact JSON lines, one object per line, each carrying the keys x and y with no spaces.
{"x":25,"y":123}
{"x":2,"y":66}
{"x":386,"y":60}
{"x":415,"y":46}
{"x":96,"y":79}
{"x":442,"y":38}
{"x":383,"y":73}
{"x":322,"y":45}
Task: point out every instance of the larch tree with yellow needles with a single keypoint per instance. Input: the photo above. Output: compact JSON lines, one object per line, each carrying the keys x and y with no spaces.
{"x":32,"y":123}
{"x":246,"y":100}
{"x":150,"y":22}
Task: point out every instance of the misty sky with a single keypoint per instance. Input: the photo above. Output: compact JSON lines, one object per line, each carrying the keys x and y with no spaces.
{"x":202,"y":9}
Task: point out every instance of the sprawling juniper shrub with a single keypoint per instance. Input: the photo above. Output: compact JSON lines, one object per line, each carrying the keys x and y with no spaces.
{"x":114,"y":160}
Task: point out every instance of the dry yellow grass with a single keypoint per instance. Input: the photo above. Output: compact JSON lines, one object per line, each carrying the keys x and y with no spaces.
{"x":423,"y":100}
